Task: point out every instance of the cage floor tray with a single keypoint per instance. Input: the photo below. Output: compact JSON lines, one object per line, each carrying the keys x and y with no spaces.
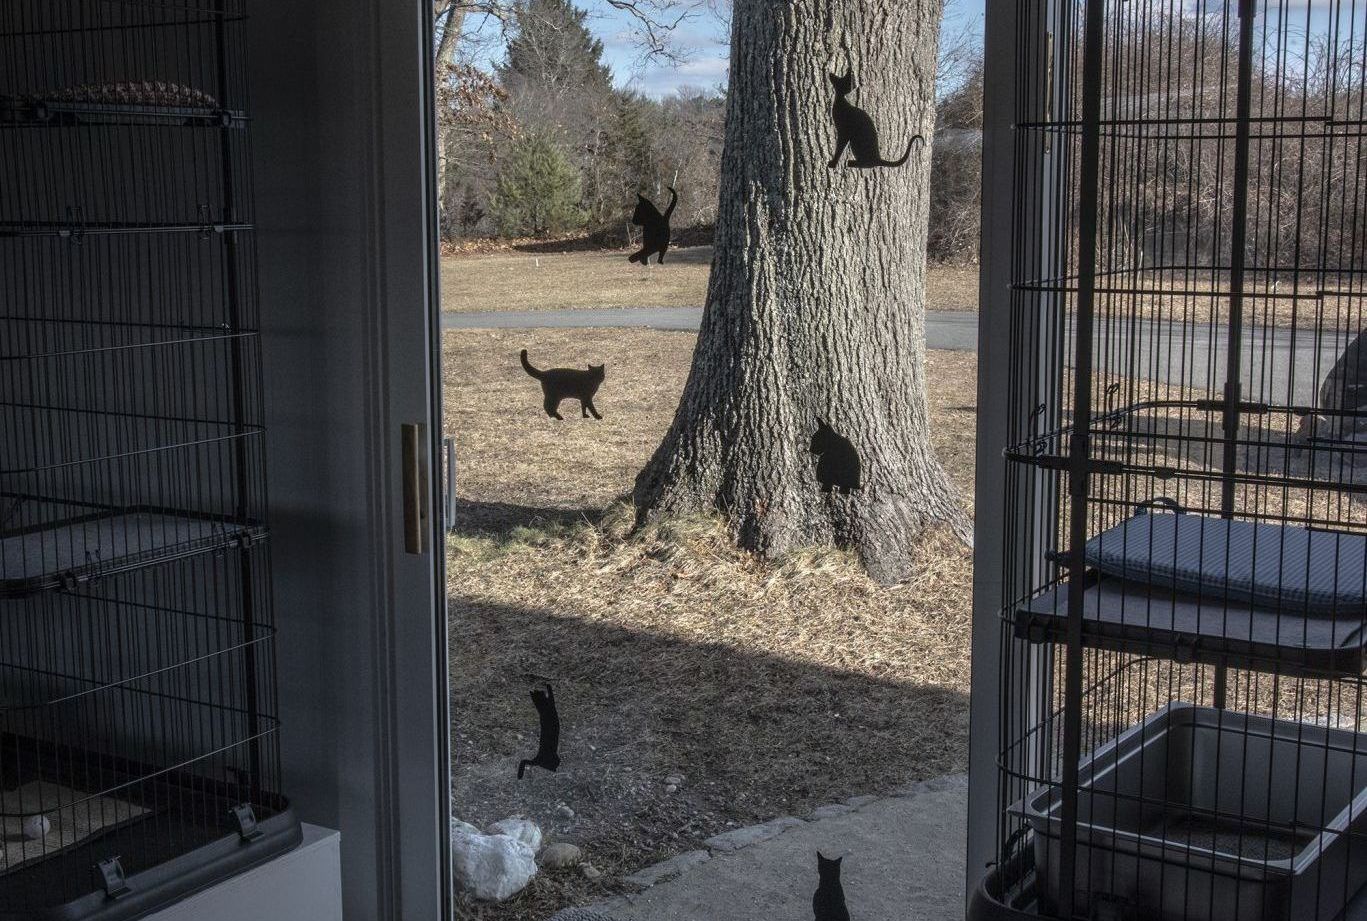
{"x":1139,"y":618}
{"x":42,"y":559}
{"x":166,"y":855}
{"x":1212,"y":815}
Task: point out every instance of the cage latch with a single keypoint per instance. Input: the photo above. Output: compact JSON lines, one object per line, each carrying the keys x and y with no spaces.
{"x":115,"y":882}
{"x":245,"y":817}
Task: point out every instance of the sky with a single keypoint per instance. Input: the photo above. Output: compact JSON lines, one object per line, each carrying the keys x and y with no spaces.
{"x":704,"y":39}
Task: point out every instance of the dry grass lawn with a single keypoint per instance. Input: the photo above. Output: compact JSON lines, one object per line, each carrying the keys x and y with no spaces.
{"x":604,"y":278}
{"x":770,"y":688}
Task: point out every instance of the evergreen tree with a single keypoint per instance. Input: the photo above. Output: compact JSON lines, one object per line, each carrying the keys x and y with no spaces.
{"x":537,"y":192}
{"x":553,"y":51}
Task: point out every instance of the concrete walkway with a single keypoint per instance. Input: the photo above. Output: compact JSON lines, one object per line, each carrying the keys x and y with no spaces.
{"x":955,"y":330}
{"x":903,"y":861}
{"x":1279,"y":365}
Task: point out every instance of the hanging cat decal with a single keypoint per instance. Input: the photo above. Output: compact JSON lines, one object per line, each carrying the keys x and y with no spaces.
{"x":548,"y":748}
{"x":828,"y":902}
{"x":560,"y":384}
{"x":854,"y":130}
{"x":654,"y":226}
{"x":837,"y":462}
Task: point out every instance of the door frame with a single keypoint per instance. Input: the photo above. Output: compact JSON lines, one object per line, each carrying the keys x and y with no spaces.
{"x":343,"y":123}
{"x":415,"y":711}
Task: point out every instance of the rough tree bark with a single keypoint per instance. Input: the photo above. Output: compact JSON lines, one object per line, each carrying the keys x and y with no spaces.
{"x":817,"y":297}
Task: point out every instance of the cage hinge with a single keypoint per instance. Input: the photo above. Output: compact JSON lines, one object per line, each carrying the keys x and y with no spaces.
{"x":115,"y":880}
{"x":245,"y":817}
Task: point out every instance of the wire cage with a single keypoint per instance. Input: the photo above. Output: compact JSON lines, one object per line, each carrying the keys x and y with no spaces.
{"x":1183,"y":732}
{"x":138,"y":739}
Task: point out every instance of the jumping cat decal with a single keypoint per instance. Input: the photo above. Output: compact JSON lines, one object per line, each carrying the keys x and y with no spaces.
{"x":854,"y":130}
{"x":548,"y":749}
{"x":654,"y":227}
{"x":828,"y":902}
{"x":560,"y":384}
{"x":837,"y":461}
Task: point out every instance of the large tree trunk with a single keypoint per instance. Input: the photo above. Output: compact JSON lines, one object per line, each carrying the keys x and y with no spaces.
{"x":817,"y":298}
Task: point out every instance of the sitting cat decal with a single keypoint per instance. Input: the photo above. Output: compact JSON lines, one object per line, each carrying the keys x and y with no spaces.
{"x":837,"y":462}
{"x":828,"y":902}
{"x":654,"y":228}
{"x":560,"y":384}
{"x":854,"y":130}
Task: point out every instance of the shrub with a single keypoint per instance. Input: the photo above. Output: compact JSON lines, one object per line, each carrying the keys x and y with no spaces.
{"x":537,"y":192}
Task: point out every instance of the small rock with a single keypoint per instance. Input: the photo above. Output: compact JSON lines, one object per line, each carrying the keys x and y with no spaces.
{"x":36,"y":826}
{"x":559,"y":855}
{"x":564,"y":812}
{"x":520,"y":829}
{"x":491,"y":868}
{"x":674,"y":780}
{"x":590,"y":871}
{"x":671,"y":788}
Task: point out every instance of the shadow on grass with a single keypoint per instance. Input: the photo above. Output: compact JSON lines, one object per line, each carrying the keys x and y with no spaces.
{"x":690,"y":245}
{"x":501,"y":520}
{"x":754,"y":735}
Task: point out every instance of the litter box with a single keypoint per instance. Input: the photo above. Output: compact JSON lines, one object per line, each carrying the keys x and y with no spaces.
{"x":1198,"y":814}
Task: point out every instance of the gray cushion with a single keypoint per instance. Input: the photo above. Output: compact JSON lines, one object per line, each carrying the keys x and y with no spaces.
{"x":1269,"y":565}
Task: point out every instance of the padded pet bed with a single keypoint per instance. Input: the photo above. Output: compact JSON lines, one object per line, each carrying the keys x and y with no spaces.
{"x":1279,"y":567}
{"x":1144,"y":619}
{"x":71,"y":824}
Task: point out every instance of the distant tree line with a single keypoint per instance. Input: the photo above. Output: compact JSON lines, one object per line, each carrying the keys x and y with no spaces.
{"x":545,"y":145}
{"x":557,"y":149}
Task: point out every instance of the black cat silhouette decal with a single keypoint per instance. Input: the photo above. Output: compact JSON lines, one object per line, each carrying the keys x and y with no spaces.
{"x":548,"y":749}
{"x":837,"y":462}
{"x":854,"y":130}
{"x":828,"y":902}
{"x":654,"y":227}
{"x":560,"y":384}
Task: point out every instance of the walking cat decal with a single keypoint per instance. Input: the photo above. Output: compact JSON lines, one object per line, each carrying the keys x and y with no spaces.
{"x":854,"y":130}
{"x":654,"y":227}
{"x":828,"y":902}
{"x":560,"y":384}
{"x":548,"y":749}
{"x":837,"y":462}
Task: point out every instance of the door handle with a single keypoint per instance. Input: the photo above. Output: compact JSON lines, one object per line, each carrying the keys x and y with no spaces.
{"x":415,"y":487}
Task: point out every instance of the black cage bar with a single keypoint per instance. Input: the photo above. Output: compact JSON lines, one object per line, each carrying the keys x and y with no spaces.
{"x":138,"y":738}
{"x":1183,"y":732}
